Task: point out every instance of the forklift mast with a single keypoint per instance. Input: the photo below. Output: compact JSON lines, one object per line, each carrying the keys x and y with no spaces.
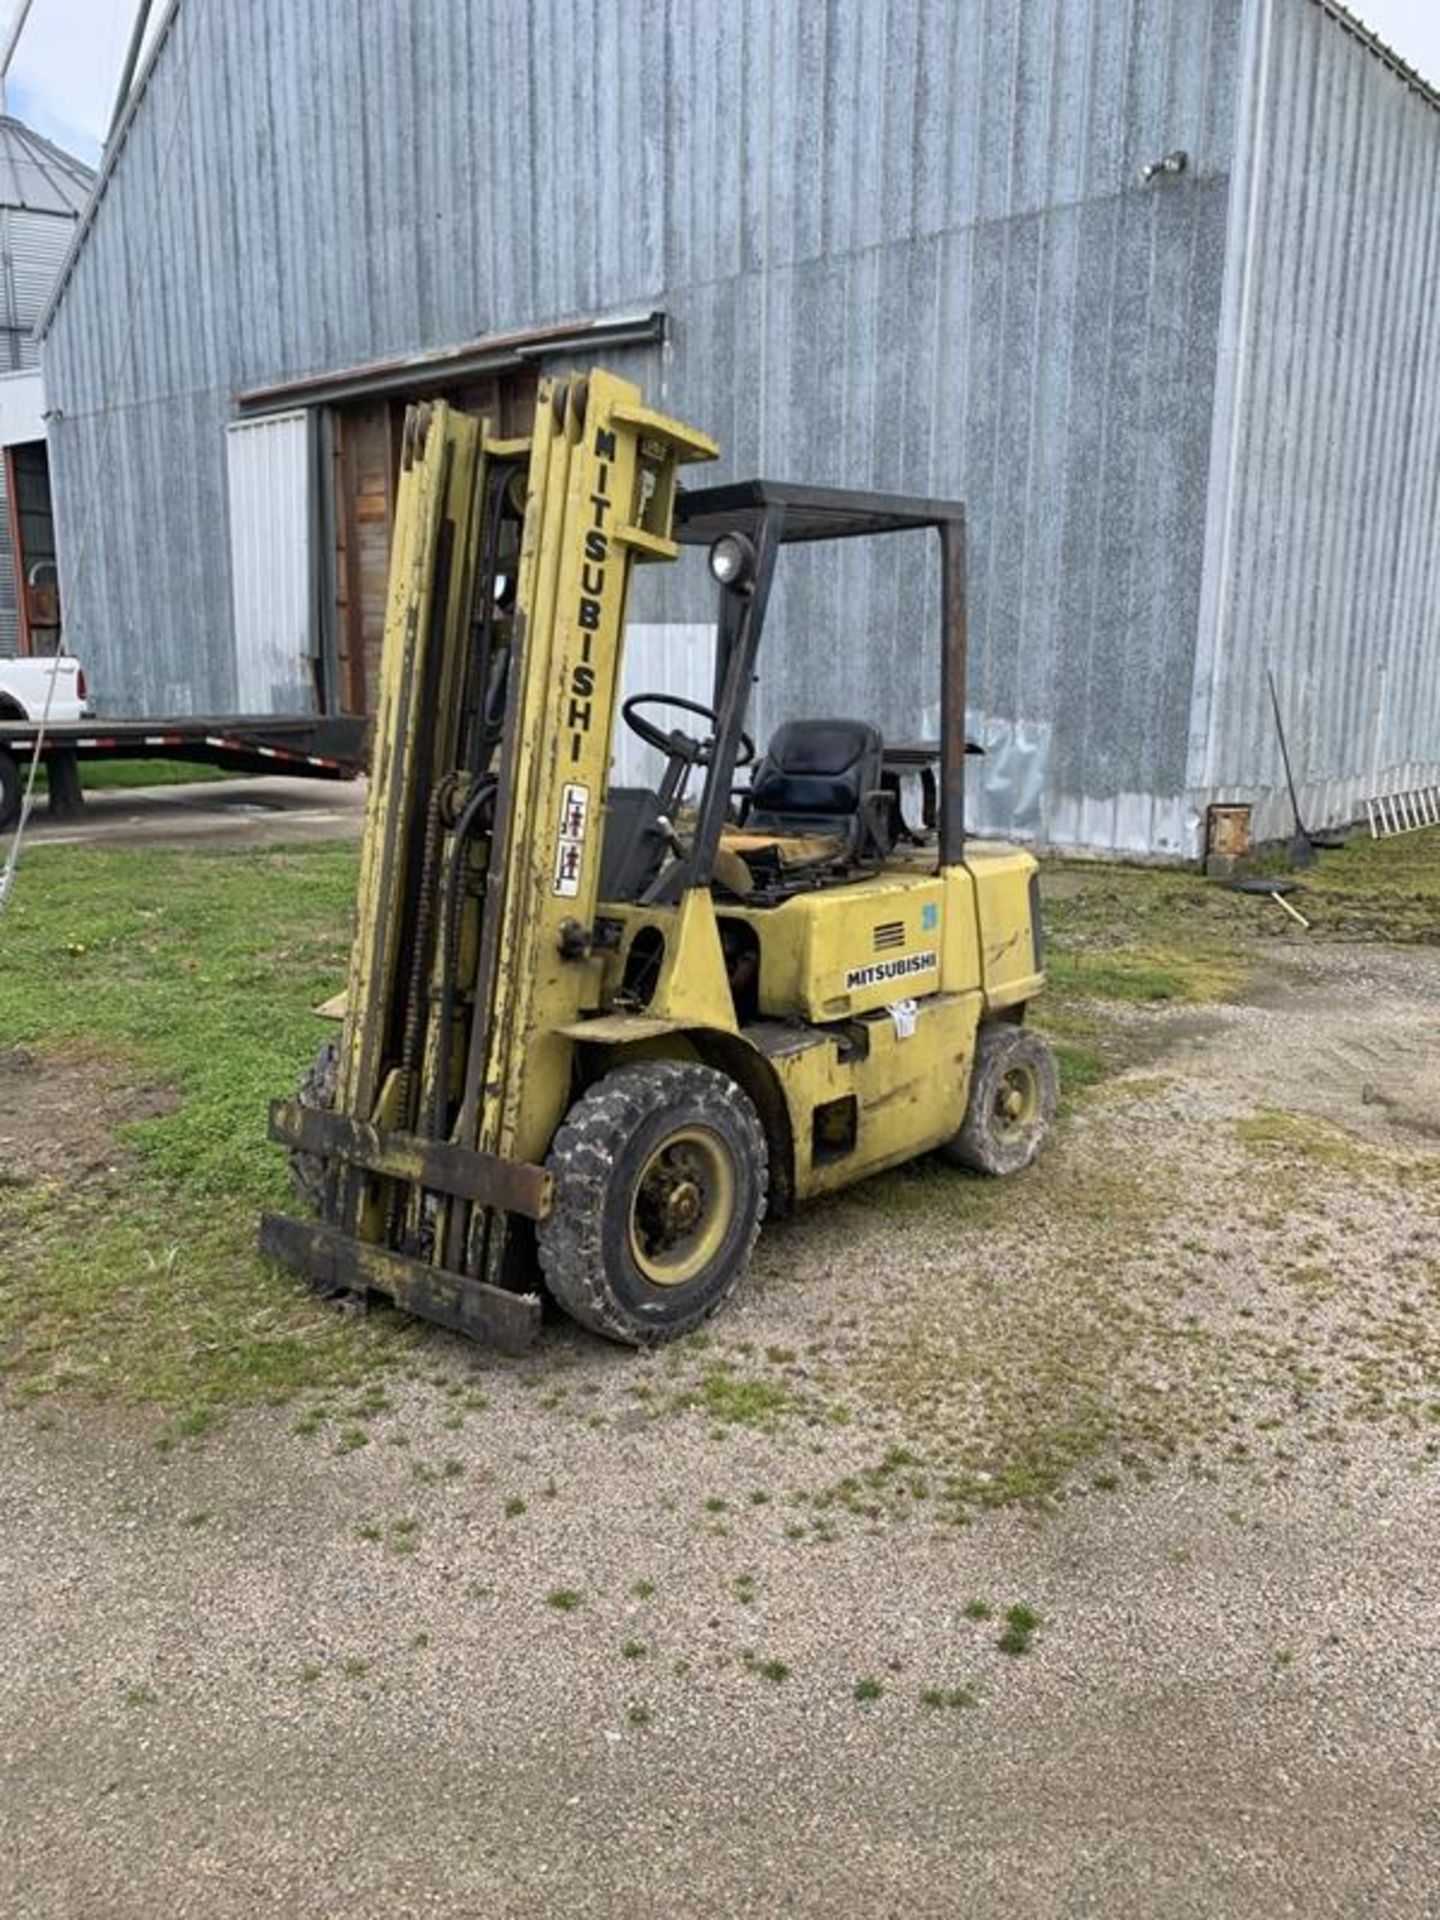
{"x":510,"y":575}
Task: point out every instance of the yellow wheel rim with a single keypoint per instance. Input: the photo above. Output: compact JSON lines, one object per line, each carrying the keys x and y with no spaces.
{"x":683,"y":1203}
{"x":1017,"y":1100}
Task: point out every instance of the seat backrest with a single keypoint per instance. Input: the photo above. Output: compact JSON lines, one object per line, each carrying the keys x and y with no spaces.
{"x":816,"y":769}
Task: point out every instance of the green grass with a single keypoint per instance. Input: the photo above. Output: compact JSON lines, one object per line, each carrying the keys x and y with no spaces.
{"x":199,"y":971}
{"x":736,"y":1401}
{"x":142,"y":773}
{"x":564,"y":1599}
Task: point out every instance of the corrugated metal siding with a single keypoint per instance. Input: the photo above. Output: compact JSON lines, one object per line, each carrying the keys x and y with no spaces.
{"x":1333,"y":571}
{"x":269,"y":476}
{"x":901,"y":244}
{"x":32,"y":248}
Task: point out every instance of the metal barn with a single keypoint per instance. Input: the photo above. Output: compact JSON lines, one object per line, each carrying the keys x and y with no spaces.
{"x":1150,"y":284}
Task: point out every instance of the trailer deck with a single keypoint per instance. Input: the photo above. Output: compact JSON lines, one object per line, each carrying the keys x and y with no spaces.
{"x":320,"y":747}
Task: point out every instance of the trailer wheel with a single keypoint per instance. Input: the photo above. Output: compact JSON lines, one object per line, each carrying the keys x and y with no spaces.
{"x":11,"y":788}
{"x":1013,"y":1091}
{"x":660,"y":1179}
{"x":317,"y":1089}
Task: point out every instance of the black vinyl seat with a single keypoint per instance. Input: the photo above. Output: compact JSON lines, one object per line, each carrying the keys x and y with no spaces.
{"x":820,"y":777}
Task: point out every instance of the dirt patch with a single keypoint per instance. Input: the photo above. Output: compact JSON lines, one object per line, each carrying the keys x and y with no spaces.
{"x":60,"y":1114}
{"x":1345,"y":1032}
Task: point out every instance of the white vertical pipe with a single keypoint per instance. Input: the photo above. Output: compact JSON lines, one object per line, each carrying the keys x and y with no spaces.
{"x":12,"y":40}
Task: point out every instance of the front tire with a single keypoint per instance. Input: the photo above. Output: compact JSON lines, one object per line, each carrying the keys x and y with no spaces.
{"x":660,"y":1176}
{"x":1014,"y":1088}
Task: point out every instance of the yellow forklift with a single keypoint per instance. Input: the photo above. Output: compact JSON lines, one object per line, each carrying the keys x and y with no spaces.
{"x":594,"y":1033}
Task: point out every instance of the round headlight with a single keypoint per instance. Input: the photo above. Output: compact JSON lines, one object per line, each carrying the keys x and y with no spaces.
{"x":732,"y":561}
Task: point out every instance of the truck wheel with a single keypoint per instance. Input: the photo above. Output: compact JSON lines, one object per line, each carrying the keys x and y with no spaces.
{"x":1013,"y":1090}
{"x":316,"y":1089}
{"x":660,"y":1177}
{"x":11,"y":789}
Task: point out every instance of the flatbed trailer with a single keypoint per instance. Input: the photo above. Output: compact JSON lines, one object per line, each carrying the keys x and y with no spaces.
{"x":328,"y":747}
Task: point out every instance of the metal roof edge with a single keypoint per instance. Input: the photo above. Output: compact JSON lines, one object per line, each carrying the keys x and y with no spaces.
{"x":108,"y":160}
{"x":1348,"y":22}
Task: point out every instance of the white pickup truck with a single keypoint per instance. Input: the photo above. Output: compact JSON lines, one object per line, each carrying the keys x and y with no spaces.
{"x":25,"y":687}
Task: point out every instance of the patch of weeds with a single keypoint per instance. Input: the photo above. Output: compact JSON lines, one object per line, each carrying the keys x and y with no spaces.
{"x":643,"y":1589}
{"x":634,"y":1649}
{"x":193,"y":1424}
{"x":309,"y":1423}
{"x":138,"y":1696}
{"x":734,"y":1401}
{"x":419,"y":1642}
{"x":867,"y":1689}
{"x":371,"y":1401}
{"x":432,"y":1473}
{"x":775,"y":1671}
{"x":781,"y":1356}
{"x":514,"y":1507}
{"x":1307,"y":1137}
{"x":715,"y":1504}
{"x":201,"y":1517}
{"x":759,"y":1497}
{"x":936,"y":1697}
{"x":744,"y":1589}
{"x":1021,"y":1626}
{"x":638,"y":1714}
{"x":977,"y":1609}
{"x":351,"y":1439}
{"x":370,"y":1530}
{"x":309,"y":1673}
{"x":404,"y":1536}
{"x":564,"y":1599}
{"x":354,"y":1667}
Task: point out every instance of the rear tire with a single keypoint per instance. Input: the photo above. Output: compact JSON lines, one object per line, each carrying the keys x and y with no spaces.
{"x":1014,"y":1088}
{"x":660,"y":1176}
{"x":317,"y":1089}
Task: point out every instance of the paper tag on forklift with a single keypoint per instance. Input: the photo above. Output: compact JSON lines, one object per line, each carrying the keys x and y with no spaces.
{"x":904,"y":1013}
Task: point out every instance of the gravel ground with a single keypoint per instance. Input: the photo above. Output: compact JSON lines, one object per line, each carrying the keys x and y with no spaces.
{"x":1175,"y":1392}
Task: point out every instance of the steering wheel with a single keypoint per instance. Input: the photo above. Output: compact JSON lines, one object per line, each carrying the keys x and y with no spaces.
{"x":682,"y":746}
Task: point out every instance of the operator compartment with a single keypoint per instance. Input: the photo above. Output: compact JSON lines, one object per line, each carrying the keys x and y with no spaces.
{"x":842,"y":950}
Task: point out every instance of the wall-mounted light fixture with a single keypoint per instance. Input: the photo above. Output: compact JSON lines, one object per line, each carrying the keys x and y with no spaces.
{"x":1176,"y":161}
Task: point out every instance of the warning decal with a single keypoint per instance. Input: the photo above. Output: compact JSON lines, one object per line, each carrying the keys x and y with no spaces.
{"x":570,"y":852}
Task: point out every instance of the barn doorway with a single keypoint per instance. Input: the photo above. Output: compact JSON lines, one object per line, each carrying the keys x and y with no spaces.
{"x":360,"y":460}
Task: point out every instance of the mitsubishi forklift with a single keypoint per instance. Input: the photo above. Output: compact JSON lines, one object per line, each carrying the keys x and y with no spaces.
{"x":594,"y":1034}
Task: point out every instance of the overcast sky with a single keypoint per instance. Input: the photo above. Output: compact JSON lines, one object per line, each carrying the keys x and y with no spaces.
{"x":64,"y":75}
